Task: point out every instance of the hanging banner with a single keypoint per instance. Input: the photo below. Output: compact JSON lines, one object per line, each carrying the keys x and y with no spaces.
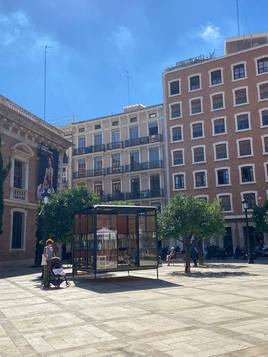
{"x":47,"y":172}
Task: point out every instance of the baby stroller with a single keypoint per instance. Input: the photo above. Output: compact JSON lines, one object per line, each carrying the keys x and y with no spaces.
{"x":56,"y":273}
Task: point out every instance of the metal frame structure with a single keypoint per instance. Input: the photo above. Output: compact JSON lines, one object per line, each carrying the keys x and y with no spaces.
{"x":88,"y":238}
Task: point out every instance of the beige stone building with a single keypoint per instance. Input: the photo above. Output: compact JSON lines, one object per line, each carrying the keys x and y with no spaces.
{"x":36,"y":150}
{"x":216,"y":112}
{"x":120,"y":157}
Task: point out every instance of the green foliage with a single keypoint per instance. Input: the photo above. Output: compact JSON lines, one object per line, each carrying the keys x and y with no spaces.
{"x":260,"y":217}
{"x":58,"y":214}
{"x":4,"y":170}
{"x":186,"y":216}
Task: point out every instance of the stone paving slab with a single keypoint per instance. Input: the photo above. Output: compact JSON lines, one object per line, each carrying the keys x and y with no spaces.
{"x":221,"y":309}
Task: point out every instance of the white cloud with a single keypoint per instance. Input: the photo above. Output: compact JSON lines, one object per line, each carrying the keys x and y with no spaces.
{"x":210,"y":33}
{"x":17,"y":33}
{"x":123,"y":39}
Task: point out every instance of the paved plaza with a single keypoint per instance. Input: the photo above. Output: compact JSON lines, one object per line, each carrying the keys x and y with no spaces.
{"x":220,"y":310}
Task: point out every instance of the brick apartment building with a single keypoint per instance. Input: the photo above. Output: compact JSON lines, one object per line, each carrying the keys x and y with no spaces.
{"x":216,"y":119}
{"x":36,"y":150}
{"x":120,"y":157}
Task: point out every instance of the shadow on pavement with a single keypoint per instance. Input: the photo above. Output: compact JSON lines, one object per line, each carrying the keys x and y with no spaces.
{"x":220,"y":274}
{"x":222,"y":266}
{"x":15,"y":270}
{"x":120,"y":284}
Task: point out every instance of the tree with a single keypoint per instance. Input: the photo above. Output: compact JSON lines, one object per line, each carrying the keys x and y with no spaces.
{"x":4,"y":170}
{"x":260,"y":217}
{"x":55,"y":219}
{"x":186,"y":217}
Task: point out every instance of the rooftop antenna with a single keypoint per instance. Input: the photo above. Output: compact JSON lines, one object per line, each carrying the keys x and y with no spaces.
{"x":45,"y":80}
{"x":237,"y":17}
{"x":127,"y":77}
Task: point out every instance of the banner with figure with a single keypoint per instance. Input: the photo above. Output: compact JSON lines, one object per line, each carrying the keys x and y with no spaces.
{"x":47,"y":172}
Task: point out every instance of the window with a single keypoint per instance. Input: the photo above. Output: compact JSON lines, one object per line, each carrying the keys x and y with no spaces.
{"x":200,"y":179}
{"x":247,"y":174}
{"x":18,"y":225}
{"x":152,"y":115}
{"x":134,"y":158}
{"x":153,"y":127}
{"x":202,"y":197}
{"x":176,"y":133}
{"x":81,"y":142}
{"x":174,"y":87}
{"x":98,"y":188}
{"x":194,"y":83}
{"x":239,"y":71}
{"x":178,"y":157}
{"x":244,"y":147}
{"x":179,"y":181}
{"x":116,"y":160}
{"x":222,"y":176}
{"x":133,"y":132}
{"x":216,"y":77}
{"x":217,"y":101}
{"x":240,"y":96}
{"x":264,"y":117}
{"x":81,"y":130}
{"x":98,"y":163}
{"x":115,"y":136}
{"x":250,"y":198}
{"x":262,"y":65}
{"x":198,"y":154}
{"x":242,"y":122}
{"x":197,"y":130}
{"x":115,"y":123}
{"x":116,"y":186}
{"x":154,"y":154}
{"x":264,"y":144}
{"x":175,"y":110}
{"x":219,"y":126}
{"x":266,"y":171}
{"x":225,"y":202}
{"x":263,"y":91}
{"x":98,"y":126}
{"x":195,"y":106}
{"x":19,"y":174}
{"x":97,"y":139}
{"x":220,"y":151}
{"x":133,"y":120}
{"x":81,"y":164}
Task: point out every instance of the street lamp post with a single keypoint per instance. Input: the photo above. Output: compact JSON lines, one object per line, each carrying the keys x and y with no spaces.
{"x":249,"y":246}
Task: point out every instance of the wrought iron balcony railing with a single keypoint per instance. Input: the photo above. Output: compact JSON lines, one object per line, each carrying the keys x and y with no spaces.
{"x":137,"y":195}
{"x":120,"y":144}
{"x":88,"y":173}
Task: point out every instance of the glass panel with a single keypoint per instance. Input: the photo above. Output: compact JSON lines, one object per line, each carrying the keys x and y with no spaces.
{"x":147,"y":242}
{"x":133,"y":132}
{"x":127,"y":243}
{"x":83,"y":249}
{"x":154,"y":154}
{"x":106,"y":254}
{"x":115,"y":136}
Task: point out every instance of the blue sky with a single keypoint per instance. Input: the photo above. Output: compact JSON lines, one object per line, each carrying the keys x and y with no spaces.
{"x":93,"y":43}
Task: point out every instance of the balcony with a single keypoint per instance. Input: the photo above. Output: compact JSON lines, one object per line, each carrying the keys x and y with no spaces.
{"x":19,"y":194}
{"x":139,"y":195}
{"x":140,"y":166}
{"x":88,"y":149}
{"x":137,"y":141}
{"x":115,"y":170}
{"x":112,"y":146}
{"x":88,"y":173}
{"x":119,"y":145}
